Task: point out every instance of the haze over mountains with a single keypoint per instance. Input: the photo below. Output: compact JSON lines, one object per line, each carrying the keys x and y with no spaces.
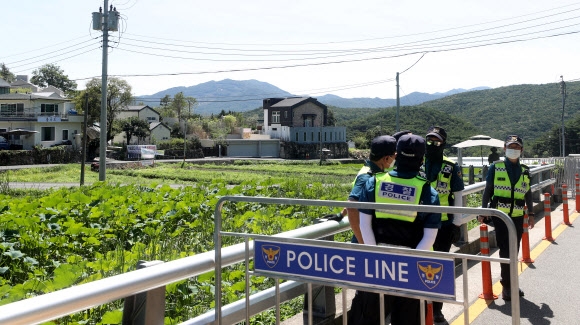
{"x":245,"y":95}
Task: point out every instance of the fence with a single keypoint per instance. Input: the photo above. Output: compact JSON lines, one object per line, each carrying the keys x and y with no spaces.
{"x":64,"y":302}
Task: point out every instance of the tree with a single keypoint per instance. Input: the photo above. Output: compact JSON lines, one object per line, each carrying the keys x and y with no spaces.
{"x":178,"y":105}
{"x":164,"y":102}
{"x":5,"y":74}
{"x":132,"y":126}
{"x":118,"y":97}
{"x":53,"y":75}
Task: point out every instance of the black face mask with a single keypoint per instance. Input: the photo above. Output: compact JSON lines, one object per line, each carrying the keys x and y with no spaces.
{"x":434,"y":152}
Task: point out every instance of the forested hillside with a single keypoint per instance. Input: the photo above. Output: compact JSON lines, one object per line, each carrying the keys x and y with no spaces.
{"x":526,"y":110}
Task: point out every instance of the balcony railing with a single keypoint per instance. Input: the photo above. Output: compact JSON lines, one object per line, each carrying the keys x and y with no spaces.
{"x":32,"y":115}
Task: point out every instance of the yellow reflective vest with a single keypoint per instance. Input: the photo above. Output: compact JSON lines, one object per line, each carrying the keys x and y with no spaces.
{"x":399,"y":191}
{"x":443,"y":184}
{"x":508,"y":198}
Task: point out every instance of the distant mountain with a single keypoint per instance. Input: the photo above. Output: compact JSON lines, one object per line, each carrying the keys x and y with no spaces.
{"x":227,"y":95}
{"x":414,"y":98}
{"x":245,"y":95}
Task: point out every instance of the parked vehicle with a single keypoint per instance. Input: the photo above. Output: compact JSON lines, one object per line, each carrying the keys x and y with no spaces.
{"x":4,"y":145}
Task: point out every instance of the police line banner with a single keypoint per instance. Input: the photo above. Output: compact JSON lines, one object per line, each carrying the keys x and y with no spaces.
{"x":381,"y":269}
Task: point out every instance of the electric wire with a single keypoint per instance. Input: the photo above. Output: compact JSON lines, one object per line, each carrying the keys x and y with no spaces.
{"x":368,"y":39}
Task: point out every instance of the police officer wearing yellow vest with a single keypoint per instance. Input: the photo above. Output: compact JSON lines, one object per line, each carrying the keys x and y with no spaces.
{"x":382,"y":157}
{"x":507,"y":189}
{"x":401,"y":228}
{"x":446,"y":178}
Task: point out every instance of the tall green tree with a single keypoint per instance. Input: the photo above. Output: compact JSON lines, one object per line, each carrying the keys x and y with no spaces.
{"x":5,"y":73}
{"x":133,"y":127}
{"x":118,"y":97}
{"x":53,"y":75}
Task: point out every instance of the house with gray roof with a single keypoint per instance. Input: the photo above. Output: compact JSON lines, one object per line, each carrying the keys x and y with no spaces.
{"x":159,"y":131}
{"x":301,"y":125}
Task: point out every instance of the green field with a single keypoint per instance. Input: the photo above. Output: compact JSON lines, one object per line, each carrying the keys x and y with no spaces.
{"x":61,"y":237}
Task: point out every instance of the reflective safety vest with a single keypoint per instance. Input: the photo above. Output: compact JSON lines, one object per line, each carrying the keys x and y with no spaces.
{"x":397,"y":190}
{"x":442,"y":184}
{"x":508,"y":198}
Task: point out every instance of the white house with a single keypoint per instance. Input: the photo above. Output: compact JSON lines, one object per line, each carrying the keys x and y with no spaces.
{"x":159,"y":131}
{"x":37,"y":119}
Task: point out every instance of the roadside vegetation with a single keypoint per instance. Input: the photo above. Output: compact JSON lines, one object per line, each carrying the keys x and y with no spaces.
{"x":53,"y":239}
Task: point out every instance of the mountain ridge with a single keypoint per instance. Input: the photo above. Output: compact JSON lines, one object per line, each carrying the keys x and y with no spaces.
{"x":245,"y":95}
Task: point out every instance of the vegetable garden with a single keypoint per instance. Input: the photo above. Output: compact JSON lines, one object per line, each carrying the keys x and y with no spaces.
{"x":53,"y":239}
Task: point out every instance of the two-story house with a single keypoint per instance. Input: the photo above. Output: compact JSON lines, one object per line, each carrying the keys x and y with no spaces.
{"x":301,"y":125}
{"x":158,"y":130}
{"x":36,"y":119}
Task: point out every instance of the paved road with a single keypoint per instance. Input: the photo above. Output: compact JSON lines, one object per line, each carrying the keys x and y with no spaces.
{"x":552,"y":292}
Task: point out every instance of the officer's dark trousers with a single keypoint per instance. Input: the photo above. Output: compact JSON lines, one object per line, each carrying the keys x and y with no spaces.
{"x":404,"y":311}
{"x":442,"y":244}
{"x":502,"y":238}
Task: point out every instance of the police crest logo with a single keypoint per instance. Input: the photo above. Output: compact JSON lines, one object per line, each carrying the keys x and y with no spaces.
{"x":271,"y":255}
{"x":430,"y":273}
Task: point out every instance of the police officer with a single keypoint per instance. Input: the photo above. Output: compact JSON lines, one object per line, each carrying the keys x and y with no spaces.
{"x":382,"y":157}
{"x":446,"y":178}
{"x":507,"y":189}
{"x":411,"y":229}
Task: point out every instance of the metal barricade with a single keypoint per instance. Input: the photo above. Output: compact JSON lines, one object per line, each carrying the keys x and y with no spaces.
{"x":366,"y":249}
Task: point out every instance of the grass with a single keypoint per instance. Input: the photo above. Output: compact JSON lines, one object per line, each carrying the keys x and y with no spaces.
{"x":176,"y":174}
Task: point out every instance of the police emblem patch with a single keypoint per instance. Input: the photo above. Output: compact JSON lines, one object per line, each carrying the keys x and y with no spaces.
{"x":271,"y":255}
{"x":430,"y":273}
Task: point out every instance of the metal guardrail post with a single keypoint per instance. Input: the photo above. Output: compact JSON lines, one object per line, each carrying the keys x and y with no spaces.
{"x":146,"y":307}
{"x":471,"y":175}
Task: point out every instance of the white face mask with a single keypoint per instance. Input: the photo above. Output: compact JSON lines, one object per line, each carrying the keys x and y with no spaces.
{"x":513,"y":153}
{"x":392,"y":164}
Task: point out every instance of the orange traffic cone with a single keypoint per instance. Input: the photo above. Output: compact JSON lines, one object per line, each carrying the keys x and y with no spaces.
{"x":485,"y":265}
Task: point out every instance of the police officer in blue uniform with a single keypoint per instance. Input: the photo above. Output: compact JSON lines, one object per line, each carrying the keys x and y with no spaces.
{"x":382,"y":157}
{"x":416,"y":230}
{"x":507,"y":189}
{"x":446,"y":178}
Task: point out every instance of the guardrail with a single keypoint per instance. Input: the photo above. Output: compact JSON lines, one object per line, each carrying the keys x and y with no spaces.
{"x":68,"y":301}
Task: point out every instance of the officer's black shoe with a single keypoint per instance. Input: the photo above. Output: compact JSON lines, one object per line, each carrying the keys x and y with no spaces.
{"x":507,"y":296}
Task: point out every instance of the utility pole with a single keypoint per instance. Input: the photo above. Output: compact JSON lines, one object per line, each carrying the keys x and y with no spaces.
{"x":563,"y":93}
{"x":84,"y":149}
{"x":103,"y":123}
{"x":398,"y":104}
{"x":104,"y":20}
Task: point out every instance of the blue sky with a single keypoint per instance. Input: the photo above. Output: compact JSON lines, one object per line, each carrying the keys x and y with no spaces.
{"x":346,"y":48}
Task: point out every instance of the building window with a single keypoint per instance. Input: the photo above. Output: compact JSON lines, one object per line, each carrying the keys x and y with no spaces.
{"x":276,"y":117}
{"x":64,"y":135}
{"x":48,"y":109}
{"x":151,"y":118}
{"x":12,"y":109}
{"x":286,"y":114}
{"x":47,"y":133}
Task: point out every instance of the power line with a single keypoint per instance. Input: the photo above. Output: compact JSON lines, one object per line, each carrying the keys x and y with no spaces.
{"x":329,"y":62}
{"x":367,"y":39}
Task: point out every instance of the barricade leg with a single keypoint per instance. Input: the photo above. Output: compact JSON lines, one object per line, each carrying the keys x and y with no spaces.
{"x":526,"y":240}
{"x":566,"y":219}
{"x":485,"y":265}
{"x":547,"y":218}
